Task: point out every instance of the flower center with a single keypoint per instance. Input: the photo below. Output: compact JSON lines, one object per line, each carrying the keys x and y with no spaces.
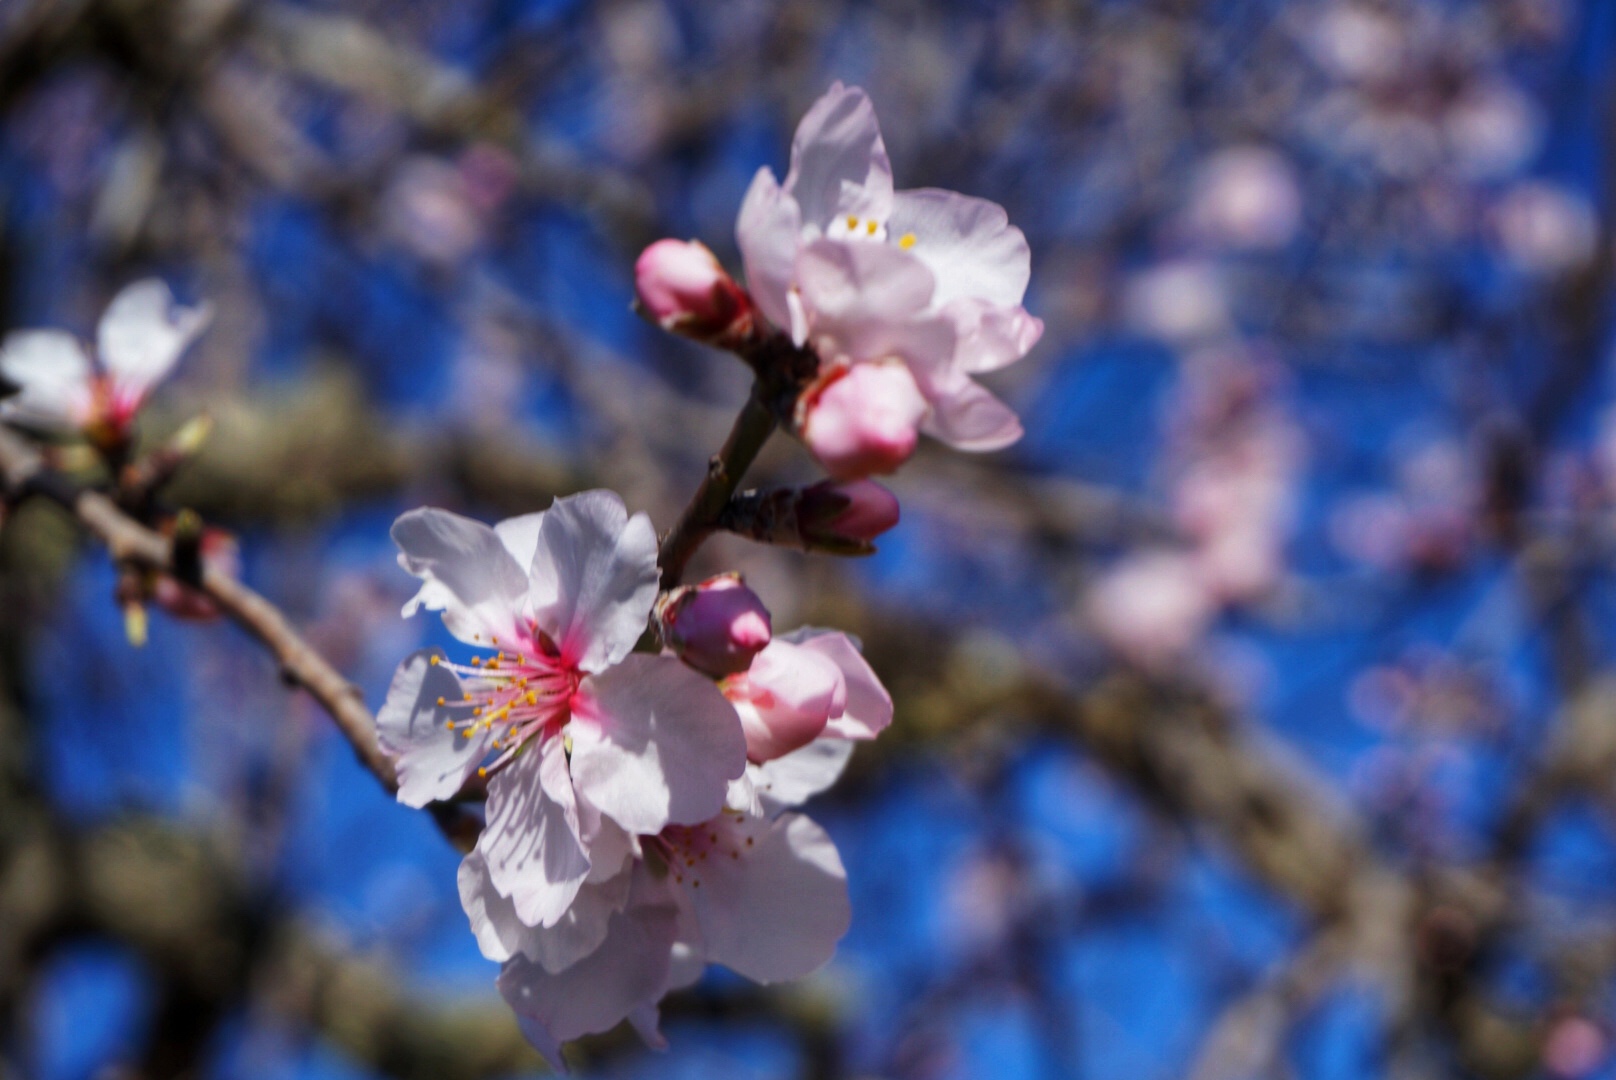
{"x":687,"y":848}
{"x":519,"y":692}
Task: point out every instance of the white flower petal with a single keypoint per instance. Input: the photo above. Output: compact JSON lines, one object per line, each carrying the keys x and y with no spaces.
{"x":531,"y":841}
{"x":839,"y":162}
{"x":466,"y":573}
{"x":869,"y":706}
{"x":501,"y":934}
{"x":143,"y":334}
{"x":52,"y":375}
{"x":777,"y":910}
{"x":968,"y":243}
{"x":594,"y":578}
{"x":433,"y":761}
{"x":627,"y":972}
{"x":857,"y":291}
{"x":520,"y":535}
{"x":991,"y":337}
{"x":768,"y":231}
{"x":653,"y":742}
{"x":964,"y":414}
{"x":794,"y":779}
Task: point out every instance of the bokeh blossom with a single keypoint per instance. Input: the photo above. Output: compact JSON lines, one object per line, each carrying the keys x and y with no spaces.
{"x":62,"y":386}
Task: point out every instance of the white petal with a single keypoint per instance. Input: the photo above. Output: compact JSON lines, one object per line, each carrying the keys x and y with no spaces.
{"x":627,"y":972}
{"x":768,"y":231}
{"x":433,"y":761}
{"x":839,"y":162}
{"x":466,"y":573}
{"x":869,"y":706}
{"x":856,"y":292}
{"x":991,"y":337}
{"x":778,"y":909}
{"x":794,"y":779}
{"x":531,"y":841}
{"x":520,"y":535}
{"x":964,"y":414}
{"x":594,"y":578}
{"x":968,"y":243}
{"x":501,"y":934}
{"x":647,"y":1023}
{"x":653,"y":742}
{"x":143,"y":334}
{"x":52,"y":375}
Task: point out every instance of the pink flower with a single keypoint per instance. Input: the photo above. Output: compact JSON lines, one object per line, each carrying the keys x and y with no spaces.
{"x":681,"y":285}
{"x":141,"y":337}
{"x":756,"y":888}
{"x":807,"y":683}
{"x":834,"y":511}
{"x":590,"y":745}
{"x":862,"y":419}
{"x":863,"y":273}
{"x":716,"y":627}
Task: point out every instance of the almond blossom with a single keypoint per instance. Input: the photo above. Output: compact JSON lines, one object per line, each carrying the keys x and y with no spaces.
{"x":866,"y":274}
{"x":586,"y":745}
{"x":62,"y":386}
{"x":757,"y":888}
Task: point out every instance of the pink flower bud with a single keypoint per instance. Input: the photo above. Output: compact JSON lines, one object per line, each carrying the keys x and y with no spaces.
{"x":834,"y":511}
{"x":786,"y":698}
{"x":716,"y":627}
{"x":681,"y":285}
{"x":863,"y":419}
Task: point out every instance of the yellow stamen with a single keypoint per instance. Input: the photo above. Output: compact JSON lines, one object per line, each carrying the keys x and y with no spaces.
{"x":871,"y":226}
{"x":906,"y":241}
{"x":852,"y":222}
{"x":435,"y":660}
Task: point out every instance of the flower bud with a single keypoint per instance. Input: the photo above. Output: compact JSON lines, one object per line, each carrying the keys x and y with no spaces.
{"x":862,"y":420}
{"x":681,"y":285}
{"x":716,"y":627}
{"x":786,"y":698}
{"x":852,"y":512}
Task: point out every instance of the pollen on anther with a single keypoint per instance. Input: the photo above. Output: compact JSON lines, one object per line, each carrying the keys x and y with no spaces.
{"x":852,"y":221}
{"x":906,"y":241}
{"x":440,"y":701}
{"x":871,"y":226}
{"x":481,"y":771}
{"x":435,"y":660}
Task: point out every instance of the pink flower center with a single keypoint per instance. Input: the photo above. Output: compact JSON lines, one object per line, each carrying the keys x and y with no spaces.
{"x":518,"y":693}
{"x":688,"y":848}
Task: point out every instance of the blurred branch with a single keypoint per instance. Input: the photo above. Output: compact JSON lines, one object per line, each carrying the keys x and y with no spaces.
{"x":301,"y":665}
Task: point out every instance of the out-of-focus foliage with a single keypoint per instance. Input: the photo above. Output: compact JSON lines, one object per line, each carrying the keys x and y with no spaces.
{"x":1254,"y":711}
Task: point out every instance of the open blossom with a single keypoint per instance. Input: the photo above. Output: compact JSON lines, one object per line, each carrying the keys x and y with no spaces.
{"x":864,"y":273}
{"x":586,"y":745}
{"x":141,"y":336}
{"x":757,"y":888}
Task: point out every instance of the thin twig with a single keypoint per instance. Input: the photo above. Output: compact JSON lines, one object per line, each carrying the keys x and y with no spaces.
{"x":700,"y":518}
{"x":301,"y":665}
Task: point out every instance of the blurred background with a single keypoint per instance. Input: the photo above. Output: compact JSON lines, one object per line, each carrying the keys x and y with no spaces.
{"x":1256,"y":713}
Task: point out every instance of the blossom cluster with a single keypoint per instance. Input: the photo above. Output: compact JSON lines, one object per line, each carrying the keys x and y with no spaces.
{"x":645,"y":747}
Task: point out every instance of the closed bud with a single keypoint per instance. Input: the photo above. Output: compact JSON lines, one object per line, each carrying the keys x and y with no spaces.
{"x":681,"y":286}
{"x":838,"y":512}
{"x":862,"y":420}
{"x":716,"y":627}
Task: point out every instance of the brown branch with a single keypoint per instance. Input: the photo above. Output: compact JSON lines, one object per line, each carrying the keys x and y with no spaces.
{"x":700,"y":518}
{"x":301,"y":665}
